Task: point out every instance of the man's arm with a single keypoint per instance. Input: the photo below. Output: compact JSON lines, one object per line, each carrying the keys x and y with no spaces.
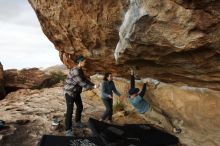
{"x":143,"y":90}
{"x":89,"y":82}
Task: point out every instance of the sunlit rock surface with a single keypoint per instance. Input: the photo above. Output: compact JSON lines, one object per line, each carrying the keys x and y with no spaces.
{"x":32,"y":78}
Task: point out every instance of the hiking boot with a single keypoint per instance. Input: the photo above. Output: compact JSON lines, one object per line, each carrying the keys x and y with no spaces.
{"x":79,"y":124}
{"x":69,"y":132}
{"x":177,"y":130}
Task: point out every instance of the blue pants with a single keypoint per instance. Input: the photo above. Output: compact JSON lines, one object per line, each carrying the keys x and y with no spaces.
{"x":109,"y":111}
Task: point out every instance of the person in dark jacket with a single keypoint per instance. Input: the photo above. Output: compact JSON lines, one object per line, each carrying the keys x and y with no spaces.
{"x":107,"y":89}
{"x":73,"y":85}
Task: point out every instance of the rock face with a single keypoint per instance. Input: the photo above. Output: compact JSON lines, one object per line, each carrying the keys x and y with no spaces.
{"x":171,"y":40}
{"x":2,"y":89}
{"x":194,"y":110}
{"x":25,"y":79}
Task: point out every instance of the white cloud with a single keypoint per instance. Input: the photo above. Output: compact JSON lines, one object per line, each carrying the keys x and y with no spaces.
{"x":22,"y":42}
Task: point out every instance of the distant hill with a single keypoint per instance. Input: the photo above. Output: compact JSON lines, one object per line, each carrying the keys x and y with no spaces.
{"x":56,"y":68}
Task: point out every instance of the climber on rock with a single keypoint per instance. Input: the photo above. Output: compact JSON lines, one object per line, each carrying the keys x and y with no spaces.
{"x":73,"y":85}
{"x":143,"y":107}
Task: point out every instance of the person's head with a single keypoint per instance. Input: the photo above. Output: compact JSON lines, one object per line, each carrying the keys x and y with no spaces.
{"x":108,"y":77}
{"x":80,"y":61}
{"x":133,"y":92}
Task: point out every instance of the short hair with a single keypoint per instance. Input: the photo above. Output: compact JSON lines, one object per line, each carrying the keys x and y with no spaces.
{"x":79,"y":59}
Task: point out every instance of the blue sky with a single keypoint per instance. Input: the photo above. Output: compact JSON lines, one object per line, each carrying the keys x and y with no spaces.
{"x":22,"y":42}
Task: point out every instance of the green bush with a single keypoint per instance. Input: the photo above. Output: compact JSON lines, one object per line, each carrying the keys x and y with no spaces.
{"x":57,"y":77}
{"x":118,"y":106}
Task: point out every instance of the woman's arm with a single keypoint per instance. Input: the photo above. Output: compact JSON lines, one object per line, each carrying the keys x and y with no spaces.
{"x":115,"y":90}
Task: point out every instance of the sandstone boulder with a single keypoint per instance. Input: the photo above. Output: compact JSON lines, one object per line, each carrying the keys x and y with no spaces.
{"x":25,"y":79}
{"x":194,"y":110}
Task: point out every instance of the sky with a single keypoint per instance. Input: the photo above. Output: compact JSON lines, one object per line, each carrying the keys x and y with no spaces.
{"x":22,"y":42}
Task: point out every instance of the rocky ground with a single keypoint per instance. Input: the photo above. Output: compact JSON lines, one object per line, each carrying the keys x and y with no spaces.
{"x":28,"y":115}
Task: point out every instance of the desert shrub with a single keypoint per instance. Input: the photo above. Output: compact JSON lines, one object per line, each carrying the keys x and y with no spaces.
{"x":118,"y":106}
{"x":57,"y":77}
{"x":54,"y":78}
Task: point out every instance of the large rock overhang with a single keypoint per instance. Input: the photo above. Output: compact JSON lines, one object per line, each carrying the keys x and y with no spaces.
{"x":169,"y":40}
